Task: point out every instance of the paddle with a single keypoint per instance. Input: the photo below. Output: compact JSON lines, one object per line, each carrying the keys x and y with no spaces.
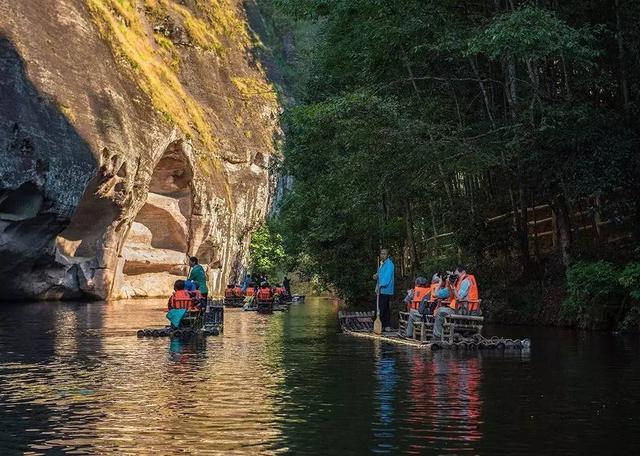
{"x":377,"y":324}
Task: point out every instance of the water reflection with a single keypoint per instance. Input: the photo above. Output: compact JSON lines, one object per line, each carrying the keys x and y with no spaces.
{"x":75,"y":378}
{"x":385,"y":399}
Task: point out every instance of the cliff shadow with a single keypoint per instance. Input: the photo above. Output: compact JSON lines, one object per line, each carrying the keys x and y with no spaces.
{"x":45,"y":166}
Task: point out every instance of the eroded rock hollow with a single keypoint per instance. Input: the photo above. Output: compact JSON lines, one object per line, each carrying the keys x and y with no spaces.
{"x":133,"y":134}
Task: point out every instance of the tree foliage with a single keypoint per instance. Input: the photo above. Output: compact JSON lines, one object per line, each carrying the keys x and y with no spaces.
{"x":266,"y":251}
{"x":434,"y":126}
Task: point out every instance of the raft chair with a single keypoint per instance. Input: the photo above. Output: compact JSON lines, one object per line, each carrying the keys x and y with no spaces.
{"x":193,"y":317}
{"x":264,"y":306}
{"x":422,"y":330}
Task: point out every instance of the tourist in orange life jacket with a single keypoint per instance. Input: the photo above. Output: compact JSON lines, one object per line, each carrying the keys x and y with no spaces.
{"x":415,"y":295}
{"x":464,"y":298}
{"x":447,"y":304}
{"x":465,"y":293}
{"x":180,"y":297}
{"x":279,"y":290}
{"x":264,"y":292}
{"x":251,"y":289}
{"x":229,"y":291}
{"x":418,"y":294}
{"x":237,"y":291}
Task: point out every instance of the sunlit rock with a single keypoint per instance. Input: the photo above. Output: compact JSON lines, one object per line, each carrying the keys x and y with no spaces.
{"x":130,"y":138}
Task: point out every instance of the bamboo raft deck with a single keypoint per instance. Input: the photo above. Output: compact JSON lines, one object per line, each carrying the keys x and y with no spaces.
{"x":459,"y":332}
{"x":209,"y":322}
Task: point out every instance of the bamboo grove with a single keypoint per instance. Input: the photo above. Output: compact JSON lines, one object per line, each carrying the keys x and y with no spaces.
{"x":499,"y":133}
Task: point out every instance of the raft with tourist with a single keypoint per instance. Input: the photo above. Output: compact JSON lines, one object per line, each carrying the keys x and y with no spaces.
{"x":234,"y":296}
{"x":266,"y":299}
{"x":190,"y":314}
{"x":443,"y":313}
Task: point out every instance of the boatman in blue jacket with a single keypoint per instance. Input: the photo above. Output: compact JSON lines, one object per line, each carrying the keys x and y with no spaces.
{"x":384,"y":287}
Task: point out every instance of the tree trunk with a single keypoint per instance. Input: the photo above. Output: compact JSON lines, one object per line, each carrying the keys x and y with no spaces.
{"x":510,"y":85}
{"x":523,"y":232}
{"x":564,"y":229}
{"x":624,"y":84}
{"x":445,"y":183}
{"x":483,"y":89}
{"x":415,"y":260}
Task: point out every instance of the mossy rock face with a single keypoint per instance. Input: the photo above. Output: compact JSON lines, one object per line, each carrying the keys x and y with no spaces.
{"x":101,"y":92}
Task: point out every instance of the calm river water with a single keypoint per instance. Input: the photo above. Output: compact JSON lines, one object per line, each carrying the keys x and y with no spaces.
{"x":75,"y":379}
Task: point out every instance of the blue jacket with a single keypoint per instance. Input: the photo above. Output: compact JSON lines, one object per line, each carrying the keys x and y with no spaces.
{"x":385,"y":277}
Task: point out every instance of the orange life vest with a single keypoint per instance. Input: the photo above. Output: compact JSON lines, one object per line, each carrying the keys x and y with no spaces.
{"x":418,"y":294}
{"x":472,"y":295}
{"x":181,"y":299}
{"x":280,"y":291}
{"x":237,"y":291}
{"x":452,"y":295}
{"x":250,"y":291}
{"x":228,"y":292}
{"x":264,"y":294}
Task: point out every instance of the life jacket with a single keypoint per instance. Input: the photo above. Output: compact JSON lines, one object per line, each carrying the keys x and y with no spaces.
{"x":418,"y":294}
{"x":237,"y":291}
{"x":452,"y":295}
{"x":250,"y":291}
{"x":280,"y":291}
{"x":180,"y":299}
{"x":472,"y":295}
{"x":264,"y":294}
{"x":228,"y":292}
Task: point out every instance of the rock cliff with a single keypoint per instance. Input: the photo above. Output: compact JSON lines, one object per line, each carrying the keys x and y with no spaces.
{"x":132,"y":134}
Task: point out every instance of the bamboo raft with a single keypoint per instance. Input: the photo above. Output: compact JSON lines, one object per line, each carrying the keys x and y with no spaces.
{"x":209,"y":322}
{"x":459,"y":332}
{"x":236,"y":301}
{"x":265,"y":307}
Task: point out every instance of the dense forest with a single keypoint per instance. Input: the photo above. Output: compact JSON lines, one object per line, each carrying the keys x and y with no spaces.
{"x":501,"y":134}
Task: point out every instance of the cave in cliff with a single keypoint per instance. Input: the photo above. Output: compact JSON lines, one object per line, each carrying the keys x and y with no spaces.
{"x":154,"y":253}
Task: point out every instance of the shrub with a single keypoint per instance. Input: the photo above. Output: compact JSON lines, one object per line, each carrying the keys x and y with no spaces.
{"x":630,"y":279}
{"x":591,"y":288}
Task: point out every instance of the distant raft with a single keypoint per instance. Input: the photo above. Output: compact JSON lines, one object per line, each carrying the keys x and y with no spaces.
{"x":235,"y":301}
{"x":459,"y":332}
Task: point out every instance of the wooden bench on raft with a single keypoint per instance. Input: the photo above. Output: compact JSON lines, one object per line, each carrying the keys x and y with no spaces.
{"x":464,"y":325}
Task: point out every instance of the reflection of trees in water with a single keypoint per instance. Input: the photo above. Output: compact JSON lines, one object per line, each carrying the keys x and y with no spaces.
{"x":319,"y":403}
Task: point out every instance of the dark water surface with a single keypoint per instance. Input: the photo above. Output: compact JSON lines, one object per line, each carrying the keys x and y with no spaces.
{"x":74,"y":378}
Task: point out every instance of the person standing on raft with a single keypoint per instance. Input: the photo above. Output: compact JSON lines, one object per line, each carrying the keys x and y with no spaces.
{"x":198,"y":275}
{"x":385,"y":287}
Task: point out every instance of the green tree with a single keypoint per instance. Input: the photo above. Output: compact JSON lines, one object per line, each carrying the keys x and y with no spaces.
{"x":266,"y":251}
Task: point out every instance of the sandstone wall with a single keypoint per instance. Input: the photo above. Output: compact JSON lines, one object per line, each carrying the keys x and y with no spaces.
{"x":132,"y":134}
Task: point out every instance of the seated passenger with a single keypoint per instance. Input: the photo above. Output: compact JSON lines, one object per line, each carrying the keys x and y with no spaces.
{"x":464,"y":299}
{"x":465,"y":293}
{"x":251,"y":290}
{"x":237,"y":291}
{"x":447,"y":303}
{"x":229,"y":291}
{"x":415,"y":296}
{"x":180,"y":297}
{"x":437,"y":292}
{"x":264,"y":292}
